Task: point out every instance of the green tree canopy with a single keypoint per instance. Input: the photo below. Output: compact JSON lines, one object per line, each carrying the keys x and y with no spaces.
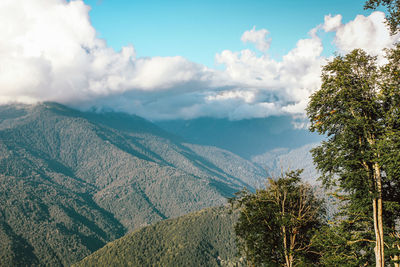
{"x":357,"y":107}
{"x":276,"y":224}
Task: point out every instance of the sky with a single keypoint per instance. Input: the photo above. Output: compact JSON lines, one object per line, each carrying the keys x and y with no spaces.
{"x":179,"y":59}
{"x":197,"y":30}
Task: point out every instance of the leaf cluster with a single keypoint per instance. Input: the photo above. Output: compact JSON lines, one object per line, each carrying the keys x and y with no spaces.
{"x":278,"y":221}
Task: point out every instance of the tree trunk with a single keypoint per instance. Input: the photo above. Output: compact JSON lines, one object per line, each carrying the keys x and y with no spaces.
{"x":396,"y":258}
{"x":378,"y":218}
{"x":379,"y":253}
{"x":285,"y":241}
{"x":291,"y":260}
{"x":285,"y":250}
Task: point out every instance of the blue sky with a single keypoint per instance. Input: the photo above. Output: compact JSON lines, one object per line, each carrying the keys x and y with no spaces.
{"x":197,"y":30}
{"x":157,"y":58}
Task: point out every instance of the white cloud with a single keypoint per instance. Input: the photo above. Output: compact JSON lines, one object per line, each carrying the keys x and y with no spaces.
{"x":288,"y":83}
{"x":49,"y":52}
{"x":369,"y":33}
{"x":246,"y":96}
{"x":332,"y":23}
{"x":258,"y":38}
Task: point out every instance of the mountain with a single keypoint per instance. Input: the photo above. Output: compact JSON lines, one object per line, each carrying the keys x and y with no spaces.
{"x":282,"y":159}
{"x":246,"y":138}
{"x":203,"y":238}
{"x":72,"y":181}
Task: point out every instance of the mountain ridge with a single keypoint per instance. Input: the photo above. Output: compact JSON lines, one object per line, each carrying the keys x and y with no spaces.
{"x":257,"y":136}
{"x":83,"y":179}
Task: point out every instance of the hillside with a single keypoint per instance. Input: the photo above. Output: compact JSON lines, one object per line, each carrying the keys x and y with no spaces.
{"x":278,"y":160}
{"x":203,"y":238}
{"x":72,"y":181}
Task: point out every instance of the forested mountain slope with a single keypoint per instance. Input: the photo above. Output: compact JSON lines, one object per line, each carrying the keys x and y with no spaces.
{"x":71,"y":181}
{"x":203,"y":238}
{"x":280,"y":160}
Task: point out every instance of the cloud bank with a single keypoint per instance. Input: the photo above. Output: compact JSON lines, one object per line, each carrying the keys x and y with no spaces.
{"x":49,"y":51}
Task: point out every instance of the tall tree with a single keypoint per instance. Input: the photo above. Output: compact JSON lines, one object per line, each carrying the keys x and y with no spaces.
{"x":390,"y":145}
{"x":276,"y":224}
{"x":356,"y":107}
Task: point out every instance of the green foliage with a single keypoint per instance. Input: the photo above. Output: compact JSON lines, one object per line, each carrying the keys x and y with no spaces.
{"x":392,"y":6}
{"x":203,"y":238}
{"x":357,"y":107}
{"x":276,"y":224}
{"x":390,"y":85}
{"x":332,"y":242}
{"x":347,"y":111}
{"x":348,"y":239}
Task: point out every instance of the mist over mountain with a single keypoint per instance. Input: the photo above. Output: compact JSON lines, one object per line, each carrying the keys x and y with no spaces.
{"x":72,"y":181}
{"x":247,"y":138}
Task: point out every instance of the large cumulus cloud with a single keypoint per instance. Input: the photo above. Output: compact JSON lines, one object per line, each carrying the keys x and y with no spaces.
{"x":369,"y":33}
{"x":49,"y":52}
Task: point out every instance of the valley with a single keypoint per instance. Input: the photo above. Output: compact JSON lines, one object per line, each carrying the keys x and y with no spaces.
{"x":72,"y":181}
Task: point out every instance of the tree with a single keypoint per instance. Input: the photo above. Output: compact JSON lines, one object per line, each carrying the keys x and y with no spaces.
{"x":357,"y":108}
{"x":390,"y":145}
{"x":348,"y":239}
{"x":392,"y":6}
{"x":276,"y":224}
